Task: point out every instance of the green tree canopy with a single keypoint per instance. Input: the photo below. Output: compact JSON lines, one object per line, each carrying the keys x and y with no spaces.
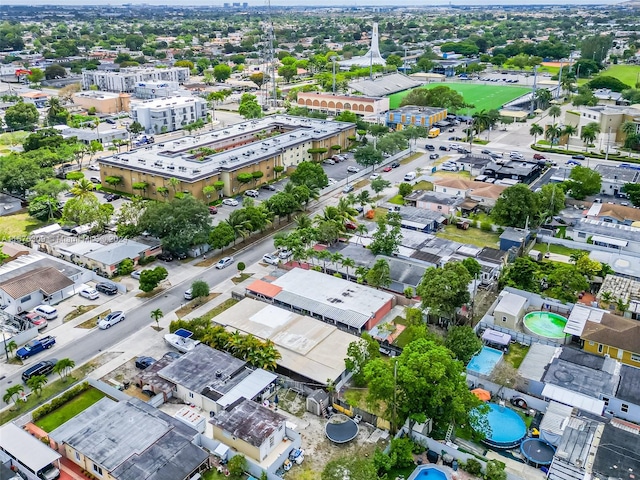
{"x":21,"y":116}
{"x":444,"y":290}
{"x":583,"y":182}
{"x":463,"y":343}
{"x":515,"y":206}
{"x":441,"y":96}
{"x":310,"y":174}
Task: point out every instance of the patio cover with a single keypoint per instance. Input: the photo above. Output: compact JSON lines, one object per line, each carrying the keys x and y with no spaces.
{"x":574,"y":399}
{"x":30,"y":451}
{"x":493,"y":336}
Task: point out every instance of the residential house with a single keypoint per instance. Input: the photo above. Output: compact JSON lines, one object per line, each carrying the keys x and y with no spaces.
{"x":614,"y":213}
{"x":130,"y":440}
{"x":615,"y":236}
{"x":250,"y":429}
{"x":433,"y":201}
{"x":514,"y":238}
{"x":617,"y":453}
{"x":613,"y":178}
{"x":39,"y":99}
{"x":212,"y":380}
{"x":25,"y":453}
{"x":421,"y":220}
{"x":615,"y":336}
{"x":474,"y":164}
{"x":485,"y":194}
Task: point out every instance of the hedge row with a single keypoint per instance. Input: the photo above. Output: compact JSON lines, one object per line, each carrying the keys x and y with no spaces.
{"x":57,"y":402}
{"x":600,"y":156}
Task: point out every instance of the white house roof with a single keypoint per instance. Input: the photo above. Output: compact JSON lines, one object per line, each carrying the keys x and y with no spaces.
{"x":27,"y":449}
{"x":578,"y":319}
{"x":574,"y":399}
{"x":511,"y":303}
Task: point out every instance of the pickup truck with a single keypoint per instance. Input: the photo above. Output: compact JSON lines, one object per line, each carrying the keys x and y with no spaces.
{"x":35,"y":346}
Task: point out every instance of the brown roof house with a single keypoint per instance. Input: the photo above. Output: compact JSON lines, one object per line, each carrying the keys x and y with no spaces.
{"x":615,"y":336}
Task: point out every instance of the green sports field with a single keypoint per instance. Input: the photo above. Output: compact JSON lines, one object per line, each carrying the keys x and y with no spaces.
{"x":625,"y":73}
{"x":484,"y":97}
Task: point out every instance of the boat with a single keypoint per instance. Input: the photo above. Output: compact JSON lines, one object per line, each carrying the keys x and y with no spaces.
{"x":181,"y":340}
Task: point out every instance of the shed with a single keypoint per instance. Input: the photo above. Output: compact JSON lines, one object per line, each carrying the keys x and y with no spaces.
{"x":513,"y":237}
{"x":509,"y":310}
{"x":495,"y":339}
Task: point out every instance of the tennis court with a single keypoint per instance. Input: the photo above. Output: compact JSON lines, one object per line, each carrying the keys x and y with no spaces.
{"x":483,"y":97}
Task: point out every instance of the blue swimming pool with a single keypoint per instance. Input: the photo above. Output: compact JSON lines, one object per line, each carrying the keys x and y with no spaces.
{"x":428,"y":472}
{"x":505,"y":427}
{"x":485,"y":361}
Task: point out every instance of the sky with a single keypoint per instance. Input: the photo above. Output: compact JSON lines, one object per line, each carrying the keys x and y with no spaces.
{"x":352,"y":3}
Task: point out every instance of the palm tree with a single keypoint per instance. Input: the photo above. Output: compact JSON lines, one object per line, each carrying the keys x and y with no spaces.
{"x":157,"y":315}
{"x":36,"y":383}
{"x":83,"y":188}
{"x":11,"y":392}
{"x":543,"y":97}
{"x":589,"y":134}
{"x":363,"y":198}
{"x":337,"y":258}
{"x":12,"y":346}
{"x":348,"y":263}
{"x":536,"y":130}
{"x":239,"y":223}
{"x":630,"y":130}
{"x":175,"y":183}
{"x":324,"y":256}
{"x":63,"y":367}
{"x":552,"y":133}
{"x":302,"y":221}
{"x":569,"y":130}
{"x":361,"y":230}
{"x":555,"y":111}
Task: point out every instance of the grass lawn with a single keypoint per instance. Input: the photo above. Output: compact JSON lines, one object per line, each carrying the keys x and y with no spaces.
{"x":625,"y":73}
{"x":481,"y":96}
{"x":228,"y":303}
{"x":423,"y":185}
{"x":18,"y":226}
{"x":557,"y":249}
{"x":473,"y":236}
{"x":397,"y":200}
{"x":69,"y":410}
{"x":516,"y":354}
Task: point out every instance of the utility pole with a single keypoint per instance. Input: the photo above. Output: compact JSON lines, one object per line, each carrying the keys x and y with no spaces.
{"x":334,"y":74}
{"x":533,"y":90}
{"x":606,"y":155}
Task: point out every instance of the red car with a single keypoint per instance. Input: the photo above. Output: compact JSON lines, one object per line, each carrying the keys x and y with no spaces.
{"x":539,"y":156}
{"x":350,"y":225}
{"x":386,"y":169}
{"x":213,"y":210}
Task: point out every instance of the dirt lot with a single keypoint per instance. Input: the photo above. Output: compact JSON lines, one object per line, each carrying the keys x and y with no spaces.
{"x":318,"y":449}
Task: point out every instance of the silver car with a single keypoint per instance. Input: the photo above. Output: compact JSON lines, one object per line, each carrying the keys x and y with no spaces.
{"x":111,"y":319}
{"x":224,"y":262}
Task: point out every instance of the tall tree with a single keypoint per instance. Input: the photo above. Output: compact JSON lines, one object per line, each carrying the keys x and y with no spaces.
{"x":463,"y":343}
{"x":583,"y":182}
{"x":22,"y":116}
{"x":380,"y":274}
{"x":516,"y":206}
{"x":444,"y":290}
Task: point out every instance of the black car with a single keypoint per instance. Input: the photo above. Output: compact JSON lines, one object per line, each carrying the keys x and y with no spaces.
{"x":395,"y":165}
{"x":430,"y":148}
{"x":110,"y":197}
{"x":433,"y":156}
{"x":41,"y":368}
{"x":144,"y":362}
{"x":268,"y":187}
{"x":165,"y":257}
{"x":578,"y":157}
{"x":107,"y":288}
{"x":463,"y":150}
{"x":110,"y":121}
{"x":443,"y":148}
{"x":181,"y":256}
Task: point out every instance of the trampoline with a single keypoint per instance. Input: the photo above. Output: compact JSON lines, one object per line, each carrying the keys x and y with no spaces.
{"x":341,"y":429}
{"x":537,"y":452}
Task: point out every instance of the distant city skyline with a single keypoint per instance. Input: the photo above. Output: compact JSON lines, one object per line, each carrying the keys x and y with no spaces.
{"x":315,"y":3}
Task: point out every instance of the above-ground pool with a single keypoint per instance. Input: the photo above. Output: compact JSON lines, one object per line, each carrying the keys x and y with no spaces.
{"x":428,"y":472}
{"x":485,"y":361}
{"x":506,"y":428}
{"x":546,"y":325}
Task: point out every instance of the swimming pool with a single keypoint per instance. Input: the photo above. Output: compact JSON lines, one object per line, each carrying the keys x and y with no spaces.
{"x":546,"y":325}
{"x":505,"y":427}
{"x":485,"y":361}
{"x":428,"y":472}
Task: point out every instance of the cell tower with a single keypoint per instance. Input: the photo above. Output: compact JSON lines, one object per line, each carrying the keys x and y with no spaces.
{"x":270,"y":61}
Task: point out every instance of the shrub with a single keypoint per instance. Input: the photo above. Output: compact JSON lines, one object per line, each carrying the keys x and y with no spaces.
{"x":142,"y":261}
{"x":485,"y":226}
{"x":495,"y":470}
{"x":473,"y":466}
{"x":241,"y":266}
{"x":59,"y":401}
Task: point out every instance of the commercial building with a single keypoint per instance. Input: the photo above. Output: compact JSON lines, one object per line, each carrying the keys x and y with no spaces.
{"x":130,"y":440}
{"x":168,"y":114}
{"x":614,"y":178}
{"x":335,"y":104}
{"x":103,"y":102}
{"x":610,"y":119}
{"x":606,"y":234}
{"x":148,"y":90}
{"x":349,"y":306}
{"x":416,"y":116}
{"x":127,"y":78}
{"x":240,"y":148}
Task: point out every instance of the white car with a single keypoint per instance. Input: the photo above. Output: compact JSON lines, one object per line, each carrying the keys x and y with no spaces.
{"x":329,"y":161}
{"x":284,"y":254}
{"x":188,"y":295}
{"x":352,"y":169}
{"x":136,"y":274}
{"x":374,"y":176}
{"x":95,"y":168}
{"x":111,"y":319}
{"x":449,"y":168}
{"x":232,"y":202}
{"x":224,"y":262}
{"x":270,"y":259}
{"x":454,"y":146}
{"x":90,"y":293}
{"x":252,"y":193}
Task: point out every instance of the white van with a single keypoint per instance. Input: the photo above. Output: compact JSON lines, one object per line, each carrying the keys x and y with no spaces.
{"x":410,"y":176}
{"x":46,"y":311}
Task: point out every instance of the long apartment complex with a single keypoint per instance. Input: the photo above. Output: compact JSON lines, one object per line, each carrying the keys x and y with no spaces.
{"x":200,"y":161}
{"x":126,"y":79}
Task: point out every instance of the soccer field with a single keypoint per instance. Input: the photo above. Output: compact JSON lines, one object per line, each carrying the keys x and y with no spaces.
{"x":625,"y":73}
{"x":483,"y":97}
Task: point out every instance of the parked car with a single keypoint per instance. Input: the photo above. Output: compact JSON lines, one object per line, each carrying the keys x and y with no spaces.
{"x":329,"y":161}
{"x":448,"y":168}
{"x":41,"y":368}
{"x":374,"y":176}
{"x":144,"y":362}
{"x":111,"y":319}
{"x":232,"y":202}
{"x":95,"y":180}
{"x":213,"y":210}
{"x":348,"y":189}
{"x":350,"y":225}
{"x":165,"y":257}
{"x":37,"y":320}
{"x":451,"y":130}
{"x":47,"y":311}
{"x":172,"y":355}
{"x":94,"y":167}
{"x":188,"y":295}
{"x":395,"y":164}
{"x":224,"y":262}
{"x":352,"y":169}
{"x":110,"y":197}
{"x":387,"y":169}
{"x":107,"y":288}
{"x":35,"y":346}
{"x":136,"y":273}
{"x":266,"y":186}
{"x":433,"y":156}
{"x":90,"y":293}
{"x":252,"y":193}
{"x":284,"y":254}
{"x":539,"y":156}
{"x":270,"y":259}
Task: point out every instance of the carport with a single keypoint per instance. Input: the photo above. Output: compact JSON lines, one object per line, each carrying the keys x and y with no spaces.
{"x":26,"y":451}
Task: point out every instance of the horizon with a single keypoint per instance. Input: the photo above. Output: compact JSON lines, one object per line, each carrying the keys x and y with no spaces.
{"x":314,"y":3}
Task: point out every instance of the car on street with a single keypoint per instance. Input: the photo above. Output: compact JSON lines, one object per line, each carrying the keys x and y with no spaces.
{"x":107,"y":288}
{"x":224,"y":262}
{"x":578,"y":157}
{"x":188,"y":294}
{"x":352,"y":169}
{"x":232,"y":202}
{"x":111,"y":319}
{"x":144,"y":362}
{"x":454,"y":146}
{"x":95,"y":168}
{"x":463,"y":150}
{"x":451,"y":130}
{"x":165,"y":257}
{"x":35,"y":346}
{"x":41,"y":368}
{"x":110,"y":197}
{"x":387,"y":169}
{"x":213,"y":210}
{"x":270,"y":259}
{"x":269,"y":187}
{"x":573,"y":163}
{"x":429,"y":148}
{"x":252,"y":193}
{"x":539,"y":156}
{"x":486,"y":152}
{"x":433,"y":156}
{"x":443,"y":148}
{"x":348,"y":189}
{"x":395,"y":164}
{"x":95,"y":180}
{"x":374,"y":176}
{"x":90,"y":293}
